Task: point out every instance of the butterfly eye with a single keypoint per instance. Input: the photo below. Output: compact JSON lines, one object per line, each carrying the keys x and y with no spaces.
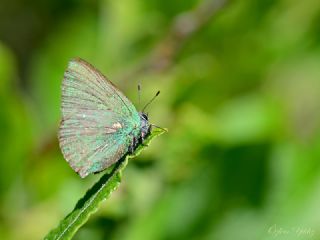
{"x":145,"y":116}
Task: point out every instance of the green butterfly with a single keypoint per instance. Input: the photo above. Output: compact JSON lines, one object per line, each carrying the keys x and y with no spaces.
{"x":99,"y":124}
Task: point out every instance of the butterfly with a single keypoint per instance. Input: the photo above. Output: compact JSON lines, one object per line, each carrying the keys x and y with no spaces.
{"x":99,"y":123}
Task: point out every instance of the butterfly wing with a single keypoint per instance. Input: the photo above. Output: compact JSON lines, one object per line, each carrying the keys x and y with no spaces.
{"x":98,"y":121}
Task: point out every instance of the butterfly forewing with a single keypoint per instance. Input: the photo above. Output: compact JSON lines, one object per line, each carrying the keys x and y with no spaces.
{"x":98,"y":121}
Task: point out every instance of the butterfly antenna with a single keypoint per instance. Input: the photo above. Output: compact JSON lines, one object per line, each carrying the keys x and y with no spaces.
{"x":158,"y":127}
{"x":148,"y":103}
{"x":139,"y":95}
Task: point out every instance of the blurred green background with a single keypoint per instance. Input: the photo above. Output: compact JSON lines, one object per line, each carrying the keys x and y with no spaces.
{"x":240,"y":95}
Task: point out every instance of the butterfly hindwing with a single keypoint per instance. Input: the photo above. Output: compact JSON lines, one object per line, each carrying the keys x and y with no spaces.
{"x":98,"y":121}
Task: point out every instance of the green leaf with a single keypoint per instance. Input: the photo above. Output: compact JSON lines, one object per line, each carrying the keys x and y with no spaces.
{"x":96,"y":194}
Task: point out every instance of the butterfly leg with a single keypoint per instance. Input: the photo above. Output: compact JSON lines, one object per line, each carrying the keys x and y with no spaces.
{"x":141,"y":140}
{"x":133,"y":145}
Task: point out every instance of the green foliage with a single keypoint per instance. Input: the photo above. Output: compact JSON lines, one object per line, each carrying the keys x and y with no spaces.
{"x":99,"y":192}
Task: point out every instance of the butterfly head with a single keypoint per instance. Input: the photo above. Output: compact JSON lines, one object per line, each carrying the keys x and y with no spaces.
{"x":144,"y":124}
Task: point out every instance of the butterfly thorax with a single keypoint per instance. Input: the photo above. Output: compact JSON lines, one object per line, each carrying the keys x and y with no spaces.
{"x":144,"y":131}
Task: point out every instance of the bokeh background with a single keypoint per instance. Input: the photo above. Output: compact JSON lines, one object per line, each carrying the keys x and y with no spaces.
{"x":240,"y":95}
